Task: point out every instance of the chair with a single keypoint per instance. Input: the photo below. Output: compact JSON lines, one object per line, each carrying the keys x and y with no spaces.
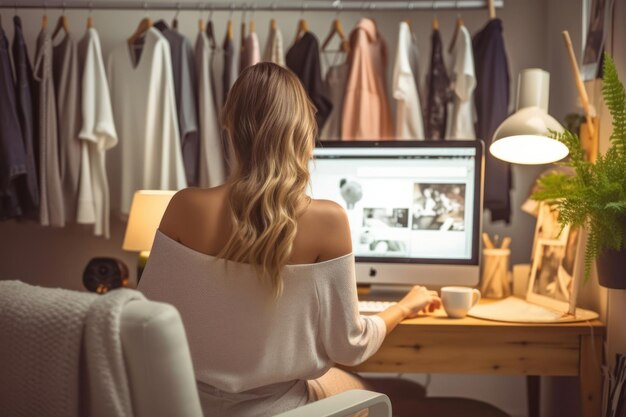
{"x":40,"y":367}
{"x":162,"y":381}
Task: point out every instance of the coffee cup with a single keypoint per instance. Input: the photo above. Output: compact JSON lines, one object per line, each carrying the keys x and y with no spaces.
{"x":457,"y":301}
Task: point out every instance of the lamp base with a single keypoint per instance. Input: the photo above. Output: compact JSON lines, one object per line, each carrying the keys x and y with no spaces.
{"x":141,"y":263}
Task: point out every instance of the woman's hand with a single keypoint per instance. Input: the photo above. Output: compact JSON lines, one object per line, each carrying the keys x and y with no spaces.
{"x":416,"y":300}
{"x":419,"y":299}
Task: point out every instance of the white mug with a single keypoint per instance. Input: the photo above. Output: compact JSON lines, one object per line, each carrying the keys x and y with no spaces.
{"x":457,"y":301}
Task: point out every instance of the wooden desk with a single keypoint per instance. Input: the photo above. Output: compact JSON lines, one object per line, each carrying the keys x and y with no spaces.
{"x":437,"y":344}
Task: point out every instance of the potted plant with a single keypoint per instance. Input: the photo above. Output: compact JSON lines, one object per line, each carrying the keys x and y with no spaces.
{"x":595,"y":197}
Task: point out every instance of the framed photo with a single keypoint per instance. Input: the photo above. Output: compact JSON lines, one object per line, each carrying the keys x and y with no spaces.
{"x":600,"y":14}
{"x":556,"y":271}
{"x":547,"y":227}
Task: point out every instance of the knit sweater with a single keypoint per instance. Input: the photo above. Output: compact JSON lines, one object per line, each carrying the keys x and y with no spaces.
{"x":250,"y":348}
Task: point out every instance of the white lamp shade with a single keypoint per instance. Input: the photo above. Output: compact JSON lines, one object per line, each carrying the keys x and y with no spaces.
{"x":521,"y":138}
{"x":145,"y":216}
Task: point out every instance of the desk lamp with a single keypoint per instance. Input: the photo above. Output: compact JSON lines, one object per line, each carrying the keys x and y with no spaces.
{"x":145,"y":216}
{"x":522,"y":137}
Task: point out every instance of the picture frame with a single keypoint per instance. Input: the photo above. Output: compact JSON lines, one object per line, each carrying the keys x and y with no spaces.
{"x":556,"y":271}
{"x":600,"y":22}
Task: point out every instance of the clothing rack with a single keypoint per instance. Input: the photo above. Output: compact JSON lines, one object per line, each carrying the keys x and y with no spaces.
{"x":305,"y":6}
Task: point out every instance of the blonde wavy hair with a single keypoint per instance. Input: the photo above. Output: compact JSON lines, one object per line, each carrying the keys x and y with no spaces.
{"x":271,"y":129}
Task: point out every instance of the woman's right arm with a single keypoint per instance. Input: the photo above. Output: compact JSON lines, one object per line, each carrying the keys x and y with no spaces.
{"x":416,"y":300}
{"x":334,"y":231}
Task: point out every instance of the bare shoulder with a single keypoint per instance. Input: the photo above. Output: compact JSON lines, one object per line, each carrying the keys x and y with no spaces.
{"x":327,"y":213}
{"x":326,"y":223}
{"x":189,"y":209}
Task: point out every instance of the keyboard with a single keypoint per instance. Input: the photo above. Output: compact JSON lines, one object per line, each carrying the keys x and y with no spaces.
{"x":372,"y":307}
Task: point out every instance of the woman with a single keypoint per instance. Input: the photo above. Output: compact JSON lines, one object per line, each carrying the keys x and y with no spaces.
{"x":262,"y":275}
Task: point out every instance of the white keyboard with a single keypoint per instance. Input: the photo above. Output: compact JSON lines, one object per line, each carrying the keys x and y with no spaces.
{"x":371,"y":307}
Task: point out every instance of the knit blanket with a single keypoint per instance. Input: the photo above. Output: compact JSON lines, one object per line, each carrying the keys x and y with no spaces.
{"x":61,"y":352}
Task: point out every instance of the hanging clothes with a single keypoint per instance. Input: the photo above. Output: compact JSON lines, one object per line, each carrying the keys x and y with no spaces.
{"x":274,"y":47}
{"x":26,"y":186}
{"x":250,"y":53}
{"x":438,"y":85}
{"x":335,"y":88}
{"x":303,"y":59}
{"x":215,"y":68}
{"x":463,"y":82}
{"x":12,"y":155}
{"x":97,"y":134}
{"x":230,"y":72}
{"x":409,"y":120}
{"x":66,"y":81}
{"x":183,"y":70}
{"x":492,"y":103}
{"x":366,"y":112}
{"x":211,"y":173}
{"x":144,"y":109}
{"x":51,"y":206}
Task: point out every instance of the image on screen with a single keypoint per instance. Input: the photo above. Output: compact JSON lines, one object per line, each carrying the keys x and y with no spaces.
{"x":402,"y":203}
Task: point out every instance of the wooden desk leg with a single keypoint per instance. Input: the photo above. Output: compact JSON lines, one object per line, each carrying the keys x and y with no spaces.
{"x":590,"y":375}
{"x":533,"y":389}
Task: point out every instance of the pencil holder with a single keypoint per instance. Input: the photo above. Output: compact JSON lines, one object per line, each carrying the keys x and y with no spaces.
{"x":495,"y":276}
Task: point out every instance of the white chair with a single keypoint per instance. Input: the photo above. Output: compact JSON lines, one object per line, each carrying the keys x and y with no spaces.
{"x":162,"y":381}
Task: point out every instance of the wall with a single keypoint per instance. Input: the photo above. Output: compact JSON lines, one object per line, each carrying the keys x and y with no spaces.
{"x":616,"y":307}
{"x":56,"y":257}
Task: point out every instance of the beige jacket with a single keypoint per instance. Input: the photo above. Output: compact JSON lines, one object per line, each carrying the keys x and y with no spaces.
{"x":366,"y":113}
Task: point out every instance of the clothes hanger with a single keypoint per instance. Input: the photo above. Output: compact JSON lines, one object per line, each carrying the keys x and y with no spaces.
{"x":90,"y":17}
{"x":243,"y":28}
{"x":492,"y":9}
{"x":144,"y":25}
{"x":370,"y":14}
{"x":435,"y":18}
{"x":336,"y":29}
{"x":230,"y":33}
{"x":252,"y":27}
{"x":62,"y":23}
{"x":44,"y":18}
{"x":273,"y":22}
{"x":457,"y":27}
{"x":200,"y":22}
{"x":303,"y":26}
{"x":409,"y":21}
{"x":175,"y":19}
{"x":229,"y":30}
{"x":210,"y":32}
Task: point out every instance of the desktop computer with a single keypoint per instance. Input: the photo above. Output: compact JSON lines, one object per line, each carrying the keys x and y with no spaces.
{"x":414,"y":207}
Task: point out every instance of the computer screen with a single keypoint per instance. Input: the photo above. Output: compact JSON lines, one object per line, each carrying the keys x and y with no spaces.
{"x":414,"y":207}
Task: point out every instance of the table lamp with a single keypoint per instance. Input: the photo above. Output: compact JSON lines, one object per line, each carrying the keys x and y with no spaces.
{"x":522,"y":137}
{"x":145,"y":216}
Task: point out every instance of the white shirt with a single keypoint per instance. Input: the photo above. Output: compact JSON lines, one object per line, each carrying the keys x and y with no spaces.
{"x":144,"y":108}
{"x":460,"y":124}
{"x":241,"y":339}
{"x":97,"y":135}
{"x":211,"y":150}
{"x":409,"y":120}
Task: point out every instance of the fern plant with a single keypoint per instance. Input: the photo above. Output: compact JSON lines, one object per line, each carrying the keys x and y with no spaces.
{"x":595,"y":197}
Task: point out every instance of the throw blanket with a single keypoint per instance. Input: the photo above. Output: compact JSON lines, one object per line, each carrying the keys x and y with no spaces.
{"x":54,"y":344}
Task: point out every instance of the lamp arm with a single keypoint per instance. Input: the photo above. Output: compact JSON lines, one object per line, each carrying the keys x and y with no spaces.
{"x":582,"y":92}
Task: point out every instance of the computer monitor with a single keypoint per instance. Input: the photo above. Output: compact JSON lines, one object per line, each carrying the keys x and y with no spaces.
{"x":415,"y":207}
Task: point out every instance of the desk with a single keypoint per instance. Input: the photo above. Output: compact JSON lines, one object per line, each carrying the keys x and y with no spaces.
{"x":436,"y":344}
